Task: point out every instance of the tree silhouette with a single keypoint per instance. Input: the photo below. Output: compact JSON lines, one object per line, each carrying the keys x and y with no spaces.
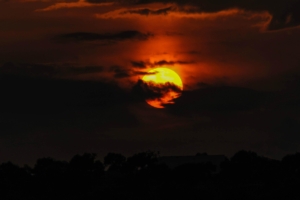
{"x":12,"y":181}
{"x":292,"y":163}
{"x":114,"y":161}
{"x":291,"y":167}
{"x":143,"y":160}
{"x":50,"y":178}
{"x":245,"y":176}
{"x":86,"y":166}
{"x":244,"y":167}
{"x":192,"y":174}
{"x":50,"y":168}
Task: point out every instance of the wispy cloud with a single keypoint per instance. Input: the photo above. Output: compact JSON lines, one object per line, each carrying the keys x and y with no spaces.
{"x":119,"y":36}
{"x":48,"y":70}
{"x":170,"y":11}
{"x":78,"y":4}
{"x":146,"y":64}
{"x":283,"y":14}
{"x":147,"y":11}
{"x":120,"y":72}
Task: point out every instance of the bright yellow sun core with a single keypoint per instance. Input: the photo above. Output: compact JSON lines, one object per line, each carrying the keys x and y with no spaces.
{"x":161,"y":76}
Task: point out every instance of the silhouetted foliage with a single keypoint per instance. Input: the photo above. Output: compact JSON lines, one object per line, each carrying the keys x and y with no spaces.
{"x":114,"y":161}
{"x":192,"y":174}
{"x":50,"y":168}
{"x":143,"y":160}
{"x":245,"y":176}
{"x":85,"y":168}
{"x":12,"y":181}
{"x":292,"y":163}
{"x":244,"y":167}
{"x":291,"y":169}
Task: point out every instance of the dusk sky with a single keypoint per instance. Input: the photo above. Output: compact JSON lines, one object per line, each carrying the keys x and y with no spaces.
{"x":70,"y":71}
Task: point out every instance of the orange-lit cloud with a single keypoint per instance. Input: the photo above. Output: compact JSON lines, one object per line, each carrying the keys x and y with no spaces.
{"x":170,"y":11}
{"x":78,"y":4}
{"x":284,"y":12}
{"x":175,"y":12}
{"x":86,"y":36}
{"x":33,"y":1}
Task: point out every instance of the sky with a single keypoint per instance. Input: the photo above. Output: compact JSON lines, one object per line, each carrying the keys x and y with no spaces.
{"x":70,"y":71}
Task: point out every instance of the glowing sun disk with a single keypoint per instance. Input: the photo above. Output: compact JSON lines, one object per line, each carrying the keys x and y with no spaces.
{"x":161,"y":76}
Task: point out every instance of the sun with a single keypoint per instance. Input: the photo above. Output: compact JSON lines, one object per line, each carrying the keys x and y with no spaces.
{"x":165,"y":84}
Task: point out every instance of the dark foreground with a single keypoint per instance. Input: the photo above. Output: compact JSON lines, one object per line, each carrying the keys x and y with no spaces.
{"x":244,"y":176}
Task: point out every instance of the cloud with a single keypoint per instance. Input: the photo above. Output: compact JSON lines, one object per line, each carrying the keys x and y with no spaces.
{"x":147,"y":11}
{"x":78,"y":4}
{"x":84,"y":70}
{"x":218,"y":99}
{"x":123,"y":2}
{"x":285,"y":13}
{"x":44,"y":95}
{"x":173,"y":11}
{"x":47,"y":70}
{"x":286,"y":18}
{"x":102,"y":1}
{"x":145,"y":64}
{"x":44,"y":115}
{"x":139,"y":64}
{"x":119,"y":72}
{"x":165,"y":62}
{"x":151,"y":90}
{"x":85,"y":36}
{"x":122,"y":72}
{"x":140,"y":73}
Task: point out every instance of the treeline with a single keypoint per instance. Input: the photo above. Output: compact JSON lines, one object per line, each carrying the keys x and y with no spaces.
{"x":140,"y":177}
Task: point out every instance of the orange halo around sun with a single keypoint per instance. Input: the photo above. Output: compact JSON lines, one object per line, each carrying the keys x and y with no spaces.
{"x":161,"y":76}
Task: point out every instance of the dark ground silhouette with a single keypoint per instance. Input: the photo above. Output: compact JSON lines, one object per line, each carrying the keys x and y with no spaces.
{"x":244,"y":176}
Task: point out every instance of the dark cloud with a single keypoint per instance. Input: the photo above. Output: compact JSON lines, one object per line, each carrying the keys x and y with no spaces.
{"x":85,"y":36}
{"x":143,"y":73}
{"x":43,"y":117}
{"x":289,"y":17}
{"x":47,"y":70}
{"x":147,"y":11}
{"x":113,"y":1}
{"x":203,"y":85}
{"x":85,"y":69}
{"x":151,"y":90}
{"x":39,"y":95}
{"x":139,"y":64}
{"x":165,"y":62}
{"x":100,"y":1}
{"x":28,"y":69}
{"x":145,"y":64}
{"x":217,"y":99}
{"x":120,"y":72}
{"x":285,"y":12}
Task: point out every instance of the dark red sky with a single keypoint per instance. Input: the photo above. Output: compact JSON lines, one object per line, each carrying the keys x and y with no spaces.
{"x":68,"y":68}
